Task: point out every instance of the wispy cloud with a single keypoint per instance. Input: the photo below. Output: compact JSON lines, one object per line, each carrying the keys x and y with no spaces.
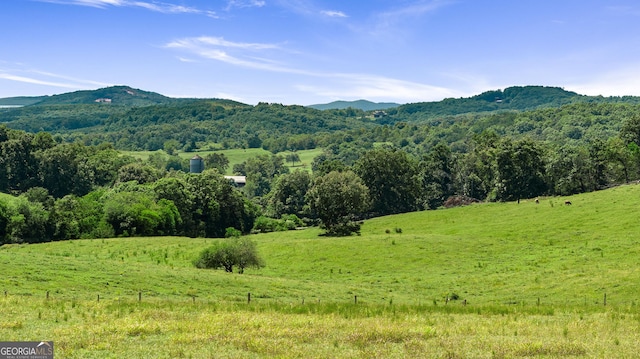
{"x":243,"y":54}
{"x":342,"y":86}
{"x":162,"y":7}
{"x":334,"y":84}
{"x":332,"y":13}
{"x":43,"y":78}
{"x":244,"y":4}
{"x":389,"y":19}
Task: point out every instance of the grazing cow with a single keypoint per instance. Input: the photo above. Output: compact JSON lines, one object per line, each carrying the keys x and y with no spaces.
{"x":567,"y":202}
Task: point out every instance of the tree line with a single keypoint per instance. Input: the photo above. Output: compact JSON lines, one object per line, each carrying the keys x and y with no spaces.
{"x":67,"y":190}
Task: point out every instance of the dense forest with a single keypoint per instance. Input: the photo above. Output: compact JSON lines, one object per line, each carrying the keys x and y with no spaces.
{"x":63,"y":176}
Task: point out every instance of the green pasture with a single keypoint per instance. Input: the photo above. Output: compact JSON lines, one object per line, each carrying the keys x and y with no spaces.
{"x":523,"y":280}
{"x":237,"y":156}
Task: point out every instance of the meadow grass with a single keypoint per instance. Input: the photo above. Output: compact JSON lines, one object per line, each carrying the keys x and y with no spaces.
{"x":525,"y":280}
{"x":237,"y":156}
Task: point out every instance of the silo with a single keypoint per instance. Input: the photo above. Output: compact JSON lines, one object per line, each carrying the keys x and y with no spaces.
{"x":196,"y":164}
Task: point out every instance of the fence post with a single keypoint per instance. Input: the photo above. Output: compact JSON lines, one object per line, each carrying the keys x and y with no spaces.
{"x":98,"y":298}
{"x":140,"y":296}
{"x":355,"y":299}
{"x":302,"y":300}
{"x":605,"y":299}
{"x":249,"y":298}
{"x":538,"y":301}
{"x":47,"y":295}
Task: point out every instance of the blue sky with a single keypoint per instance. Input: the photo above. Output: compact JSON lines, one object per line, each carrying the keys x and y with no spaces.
{"x":316,"y":51}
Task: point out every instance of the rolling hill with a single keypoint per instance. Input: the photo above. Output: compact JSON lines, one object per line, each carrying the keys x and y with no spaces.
{"x":363,"y":105}
{"x":497,"y":280}
{"x":487,"y":254}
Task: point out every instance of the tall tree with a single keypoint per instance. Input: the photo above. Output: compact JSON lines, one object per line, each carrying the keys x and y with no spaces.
{"x":288,"y":194}
{"x":338,"y":199}
{"x":436,"y":170}
{"x":392,"y":178}
{"x":521,"y":170}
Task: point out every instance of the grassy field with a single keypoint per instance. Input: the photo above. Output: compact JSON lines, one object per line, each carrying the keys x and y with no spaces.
{"x":525,"y":280}
{"x":237,"y":156}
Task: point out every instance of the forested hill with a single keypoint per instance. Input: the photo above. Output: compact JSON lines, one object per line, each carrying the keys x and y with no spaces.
{"x":115,"y":95}
{"x":140,"y":120}
{"x":359,"y":105}
{"x":511,"y":98}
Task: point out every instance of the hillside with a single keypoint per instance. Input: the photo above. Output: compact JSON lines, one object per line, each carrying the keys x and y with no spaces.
{"x":487,"y":254}
{"x":523,"y":281}
{"x":115,"y":95}
{"x":543,"y":113}
{"x":363,"y":105}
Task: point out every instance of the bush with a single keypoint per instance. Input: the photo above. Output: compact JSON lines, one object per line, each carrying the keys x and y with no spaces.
{"x":286,"y":223}
{"x":226,"y":254}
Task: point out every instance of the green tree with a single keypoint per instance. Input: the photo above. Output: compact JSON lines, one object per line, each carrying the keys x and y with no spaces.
{"x":61,"y":170}
{"x":237,"y":251}
{"x":568,"y":170}
{"x":29,"y":223}
{"x":288,"y":194}
{"x":261,"y":171}
{"x":20,"y":166}
{"x":5,"y":218}
{"x":136,"y":213}
{"x":621,"y":158}
{"x":392,"y":179}
{"x":293,"y":158}
{"x":436,"y":171}
{"x":521,"y":170}
{"x":218,"y":205}
{"x":138,"y":172}
{"x":177,"y":191}
{"x":339,"y":199}
{"x":218,"y":161}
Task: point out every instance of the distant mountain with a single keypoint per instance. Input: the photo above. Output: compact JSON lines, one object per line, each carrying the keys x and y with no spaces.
{"x":117,"y":95}
{"x":359,"y":105}
{"x":517,"y":98}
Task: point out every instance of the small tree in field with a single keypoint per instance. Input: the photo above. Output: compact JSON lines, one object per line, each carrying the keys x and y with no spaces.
{"x":226,"y":254}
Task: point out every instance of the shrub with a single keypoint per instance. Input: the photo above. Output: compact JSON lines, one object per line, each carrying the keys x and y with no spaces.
{"x":226,"y":254}
{"x":286,"y":223}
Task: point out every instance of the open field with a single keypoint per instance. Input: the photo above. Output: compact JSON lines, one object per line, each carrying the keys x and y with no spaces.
{"x":534,"y":278}
{"x":237,"y":156}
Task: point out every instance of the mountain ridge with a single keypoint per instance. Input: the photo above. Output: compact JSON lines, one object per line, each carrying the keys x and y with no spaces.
{"x":361,"y":104}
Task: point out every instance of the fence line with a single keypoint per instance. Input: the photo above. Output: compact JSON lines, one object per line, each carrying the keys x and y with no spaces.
{"x":604,"y":301}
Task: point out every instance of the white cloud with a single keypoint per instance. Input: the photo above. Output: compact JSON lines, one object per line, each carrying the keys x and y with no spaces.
{"x":162,"y":7}
{"x":331,"y":13}
{"x":335,"y":84}
{"x":30,"y":80}
{"x":43,"y":78}
{"x":244,"y":4}
{"x":621,"y":82}
{"x":235,"y":53}
{"x":358,"y":86}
